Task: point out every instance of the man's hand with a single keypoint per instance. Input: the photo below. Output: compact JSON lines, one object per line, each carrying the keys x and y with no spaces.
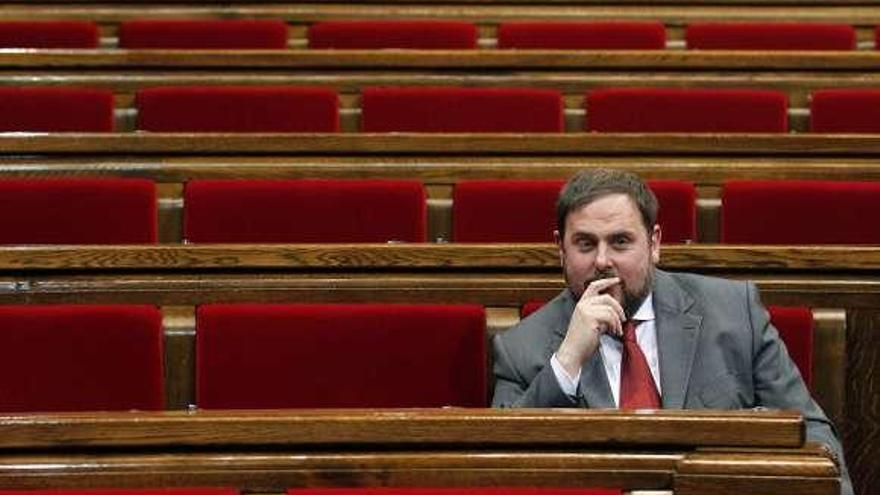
{"x":596,"y":313}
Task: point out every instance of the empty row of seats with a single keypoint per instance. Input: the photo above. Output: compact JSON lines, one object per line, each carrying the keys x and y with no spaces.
{"x":427,"y":34}
{"x":360,"y":490}
{"x":291,"y":109}
{"x":257,"y":356}
{"x":124,"y":211}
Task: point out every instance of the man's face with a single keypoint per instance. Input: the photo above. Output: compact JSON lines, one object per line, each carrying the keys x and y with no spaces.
{"x":606,"y":238}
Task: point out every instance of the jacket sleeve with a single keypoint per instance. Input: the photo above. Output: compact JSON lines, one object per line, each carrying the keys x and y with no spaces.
{"x":517,"y":385}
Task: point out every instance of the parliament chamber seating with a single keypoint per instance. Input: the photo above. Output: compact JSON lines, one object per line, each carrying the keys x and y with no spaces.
{"x":81,"y":358}
{"x":55,"y":109}
{"x":49,"y":34}
{"x":453,"y":491}
{"x":78,"y":211}
{"x":769,"y":36}
{"x":254,"y":356}
{"x":203,"y":34}
{"x":126,"y":491}
{"x":380,"y":34}
{"x":845,"y":111}
{"x":632,"y":35}
{"x":461,"y":109}
{"x":688,"y":110}
{"x":317,"y":211}
{"x":525,"y":211}
{"x":800,"y":212}
{"x":237,"y":109}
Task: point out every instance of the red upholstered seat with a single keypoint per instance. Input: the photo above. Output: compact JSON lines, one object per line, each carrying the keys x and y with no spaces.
{"x":305,"y":211}
{"x":55,"y":109}
{"x":417,"y":34}
{"x":48,"y":34}
{"x":530,"y":307}
{"x":525,"y":210}
{"x":80,"y":358}
{"x":454,"y":109}
{"x":632,"y":35}
{"x":78,"y":211}
{"x":795,"y":325}
{"x":340,"y":355}
{"x":770,"y":36}
{"x":125,"y":491}
{"x":800,"y":212}
{"x":201,"y":33}
{"x":845,"y":110}
{"x":238,"y":109}
{"x":468,"y":490}
{"x":686,"y":110}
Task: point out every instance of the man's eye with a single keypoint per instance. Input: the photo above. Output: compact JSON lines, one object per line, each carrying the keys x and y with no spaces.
{"x":584,"y":244}
{"x":621,"y":241}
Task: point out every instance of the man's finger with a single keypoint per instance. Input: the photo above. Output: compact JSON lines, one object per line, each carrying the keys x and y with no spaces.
{"x":597,"y":286}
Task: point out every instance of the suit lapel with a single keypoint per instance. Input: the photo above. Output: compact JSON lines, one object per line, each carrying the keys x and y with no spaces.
{"x":677,"y":330}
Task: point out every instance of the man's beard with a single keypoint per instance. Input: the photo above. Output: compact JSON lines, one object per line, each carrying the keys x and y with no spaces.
{"x":632,"y":301}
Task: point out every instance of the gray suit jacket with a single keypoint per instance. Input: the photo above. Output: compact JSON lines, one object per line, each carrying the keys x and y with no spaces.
{"x":716,"y":346}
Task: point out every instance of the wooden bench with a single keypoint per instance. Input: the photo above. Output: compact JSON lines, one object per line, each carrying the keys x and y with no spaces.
{"x":685,"y":452}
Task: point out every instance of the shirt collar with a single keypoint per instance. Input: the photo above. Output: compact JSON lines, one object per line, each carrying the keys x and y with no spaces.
{"x":646,"y":310}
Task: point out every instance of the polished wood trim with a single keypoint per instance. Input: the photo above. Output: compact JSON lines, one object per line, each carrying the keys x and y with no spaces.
{"x":443,"y":144}
{"x":414,"y":257}
{"x":416,"y":428}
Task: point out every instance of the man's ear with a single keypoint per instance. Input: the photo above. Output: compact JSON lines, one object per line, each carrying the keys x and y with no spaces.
{"x":655,"y":244}
{"x":559,"y":247}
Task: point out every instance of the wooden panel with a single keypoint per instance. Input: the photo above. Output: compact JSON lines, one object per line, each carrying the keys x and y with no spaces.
{"x":861,"y":434}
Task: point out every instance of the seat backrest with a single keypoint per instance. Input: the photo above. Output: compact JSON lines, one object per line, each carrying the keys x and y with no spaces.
{"x":340,"y":355}
{"x":125,"y":491}
{"x":48,"y":34}
{"x":237,"y":109}
{"x":620,"y":35}
{"x":78,"y":211}
{"x":845,"y":110}
{"x":203,"y":33}
{"x":81,"y":358}
{"x":457,"y":109}
{"x":525,"y":210}
{"x":464,"y":490}
{"x":303,"y":211}
{"x":769,"y":36}
{"x":795,"y":325}
{"x":417,"y":34}
{"x":800,"y":212}
{"x":687,"y":110}
{"x":55,"y":109}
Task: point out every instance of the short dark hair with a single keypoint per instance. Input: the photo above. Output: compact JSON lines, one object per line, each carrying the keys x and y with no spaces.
{"x":591,"y":184}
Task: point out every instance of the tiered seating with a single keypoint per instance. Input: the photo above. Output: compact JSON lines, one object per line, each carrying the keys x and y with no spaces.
{"x":62,"y":109}
{"x":78,"y":211}
{"x":845,"y":111}
{"x":237,"y":109}
{"x":769,"y":36}
{"x":418,"y":34}
{"x":645,"y":35}
{"x":446,"y":109}
{"x":48,"y":34}
{"x":370,"y":355}
{"x":81,"y":358}
{"x":453,"y":491}
{"x":203,"y":34}
{"x":799,"y":212}
{"x":304,"y":211}
{"x":686,"y":110}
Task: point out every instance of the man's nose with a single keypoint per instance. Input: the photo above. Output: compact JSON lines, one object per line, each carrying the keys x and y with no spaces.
{"x":603,"y":258}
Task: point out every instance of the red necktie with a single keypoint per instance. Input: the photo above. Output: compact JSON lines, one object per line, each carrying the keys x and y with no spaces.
{"x":637,"y":389}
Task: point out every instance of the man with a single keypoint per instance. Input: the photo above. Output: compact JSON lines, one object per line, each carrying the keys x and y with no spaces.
{"x":626,"y":334}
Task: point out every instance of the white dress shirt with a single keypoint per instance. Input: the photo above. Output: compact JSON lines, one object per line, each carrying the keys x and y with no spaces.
{"x":612,"y":352}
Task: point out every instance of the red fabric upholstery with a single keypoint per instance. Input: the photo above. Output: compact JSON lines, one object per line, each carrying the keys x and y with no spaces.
{"x":632,"y":35}
{"x":393,"y":34}
{"x":305,"y":211}
{"x":845,"y":110}
{"x":525,"y":210}
{"x":238,"y":109}
{"x":795,"y":325}
{"x":686,"y":110}
{"x":800,"y":212}
{"x":207,"y":34}
{"x":48,"y":109}
{"x":453,"y":109}
{"x":455,"y":491}
{"x":530,"y":307}
{"x":80,"y":358}
{"x":770,"y":36}
{"x":77,"y":211}
{"x":504,"y":210}
{"x":340,"y":355}
{"x":125,"y":491}
{"x":48,"y":34}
